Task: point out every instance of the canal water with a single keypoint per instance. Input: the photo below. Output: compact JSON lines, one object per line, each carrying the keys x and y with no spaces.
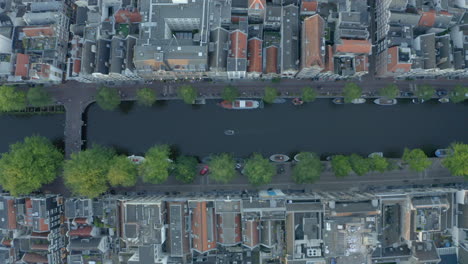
{"x":321,"y":127}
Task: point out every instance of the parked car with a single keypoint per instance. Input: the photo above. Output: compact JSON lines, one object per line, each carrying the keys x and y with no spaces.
{"x":204,"y":170}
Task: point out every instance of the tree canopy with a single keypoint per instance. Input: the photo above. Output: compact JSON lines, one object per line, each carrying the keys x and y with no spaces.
{"x":308,"y":169}
{"x":222,"y":168}
{"x":259,"y":170}
{"x":186,"y":169}
{"x":341,"y":165}
{"x":270,"y":94}
{"x":146,"y":96}
{"x":417,"y":159}
{"x":230,"y":93}
{"x":359,"y":164}
{"x":11,"y":99}
{"x":188,"y":93}
{"x":425,"y":92}
{"x":108,"y":98}
{"x":122,"y":172}
{"x":457,"y":162}
{"x":351,"y":91}
{"x":38,"y":96}
{"x":379,"y":164}
{"x":157,"y":165}
{"x":459,"y":94}
{"x":390,"y":91}
{"x":86,"y":173}
{"x":308,"y":94}
{"x":29,"y":164}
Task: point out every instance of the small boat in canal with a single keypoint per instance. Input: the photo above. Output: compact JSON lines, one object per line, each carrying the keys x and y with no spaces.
{"x":240,"y":104}
{"x":442,"y":153}
{"x":358,"y":101}
{"x":279,"y":158}
{"x":338,"y":100}
{"x":279,"y":101}
{"x":297,"y":101}
{"x":444,"y":100}
{"x":376,"y":154}
{"x":229,"y":132}
{"x":385,"y":101}
{"x":418,"y":101}
{"x":298,"y":156}
{"x":136,"y":159}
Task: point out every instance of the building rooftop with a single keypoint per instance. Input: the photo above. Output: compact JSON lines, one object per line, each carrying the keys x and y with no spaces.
{"x":255,"y":55}
{"x":290,"y":39}
{"x":313,"y":43}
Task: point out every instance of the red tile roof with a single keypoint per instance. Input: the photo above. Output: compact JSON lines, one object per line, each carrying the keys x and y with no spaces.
{"x":236,"y":19}
{"x":6,"y":242}
{"x":354,"y":46}
{"x":362,"y":63}
{"x":309,"y":6}
{"x":257,"y":4}
{"x":11,"y":214}
{"x":43,"y":226}
{"x":34,"y":258}
{"x":200,"y":228}
{"x":76,"y":66}
{"x":40,"y":246}
{"x":393,"y":64}
{"x":126,"y":16}
{"x":312,"y":32}
{"x":82,"y":231}
{"x":238,"y":45}
{"x":39,"y":31}
{"x":427,"y":19}
{"x":329,"y":64}
{"x":255,"y":55}
{"x":81,"y":221}
{"x":22,"y":67}
{"x":271,"y":59}
{"x":252,"y":233}
{"x":28,"y":211}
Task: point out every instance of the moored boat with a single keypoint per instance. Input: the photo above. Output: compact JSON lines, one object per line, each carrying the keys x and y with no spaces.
{"x":298,"y":156}
{"x":358,"y":101}
{"x":385,"y":101}
{"x":338,"y":100}
{"x":229,"y":132}
{"x":444,"y":100}
{"x":240,"y":104}
{"x":297,"y":101}
{"x":136,"y":159}
{"x":279,"y":158}
{"x":376,"y":154}
{"x":441,"y":153}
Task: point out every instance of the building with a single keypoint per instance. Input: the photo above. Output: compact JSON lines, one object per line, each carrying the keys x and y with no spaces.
{"x":312,"y":47}
{"x":289,"y":41}
{"x":237,"y":56}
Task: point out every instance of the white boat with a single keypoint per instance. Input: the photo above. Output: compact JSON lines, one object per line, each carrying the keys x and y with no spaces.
{"x":358,"y":101}
{"x":279,"y":158}
{"x":376,"y":154}
{"x":298,"y":156}
{"x":444,"y":100}
{"x":240,"y":104}
{"x":136,"y":159}
{"x":385,"y":101}
{"x":229,"y":132}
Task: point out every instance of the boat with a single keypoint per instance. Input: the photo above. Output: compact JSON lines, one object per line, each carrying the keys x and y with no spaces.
{"x":229,"y":132}
{"x":375,"y":154}
{"x":418,"y":100}
{"x":136,"y":159}
{"x":297,"y":101}
{"x":444,"y":100}
{"x":297,"y":157}
{"x":279,"y":101}
{"x":339,"y":100}
{"x":358,"y":101}
{"x":385,"y":101}
{"x":279,"y":158}
{"x":442,"y":153}
{"x":240,"y":104}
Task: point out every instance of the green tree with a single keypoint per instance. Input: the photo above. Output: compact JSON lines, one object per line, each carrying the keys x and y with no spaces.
{"x":146,"y":96}
{"x":86,"y":172}
{"x":157,"y":165}
{"x":259,"y":170}
{"x":457,"y":162}
{"x":379,"y":164}
{"x":308,"y":169}
{"x":308,"y":94}
{"x":351,"y":91}
{"x":230,"y":93}
{"x":38,"y":96}
{"x":270,"y":94}
{"x":188,"y":93}
{"x":108,"y":98}
{"x":186,"y":169}
{"x":222,"y":168}
{"x":390,"y":91}
{"x":359,"y":164}
{"x":28,"y":165}
{"x":11,"y":99}
{"x":341,"y":165}
{"x":417,"y":159}
{"x":459,"y":94}
{"x":122,"y":172}
{"x":425,"y":92}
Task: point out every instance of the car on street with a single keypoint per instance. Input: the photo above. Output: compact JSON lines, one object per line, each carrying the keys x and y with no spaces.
{"x":204,"y":170}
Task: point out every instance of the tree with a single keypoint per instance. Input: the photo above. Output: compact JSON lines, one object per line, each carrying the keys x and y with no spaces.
{"x":457,"y":162}
{"x":390,"y":91}
{"x":186,"y":169}
{"x":341,"y":166}
{"x":459,"y":94}
{"x":379,"y":164}
{"x":108,"y":98}
{"x":122,"y":172}
{"x":86,"y":173}
{"x":146,"y":96}
{"x":155,"y":169}
{"x":230,"y":93}
{"x":29,"y":164}
{"x":222,"y":168}
{"x":416,"y":159}
{"x":38,"y":96}
{"x":425,"y":92}
{"x":259,"y":170}
{"x":308,"y":169}
{"x":270,"y":94}
{"x":351,"y":91}
{"x":188,"y":93}
{"x":359,"y":164}
{"x":308,"y":94}
{"x":11,"y":99}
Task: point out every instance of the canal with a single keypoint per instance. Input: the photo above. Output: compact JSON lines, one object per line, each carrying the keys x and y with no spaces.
{"x":321,"y":127}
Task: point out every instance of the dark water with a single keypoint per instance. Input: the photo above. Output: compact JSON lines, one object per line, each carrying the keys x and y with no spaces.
{"x":321,"y":127}
{"x":15,"y":128}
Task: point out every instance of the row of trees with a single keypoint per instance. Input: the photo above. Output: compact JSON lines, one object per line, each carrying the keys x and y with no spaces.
{"x":13,"y":99}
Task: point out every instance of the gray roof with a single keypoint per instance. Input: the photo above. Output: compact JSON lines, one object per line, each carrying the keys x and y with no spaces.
{"x":425,"y":252}
{"x":103,"y":55}
{"x":218,"y":49}
{"x":229,"y":227}
{"x":227,"y":206}
{"x":3,"y":213}
{"x":407,"y":19}
{"x":236,"y":64}
{"x":81,"y":15}
{"x":458,"y":61}
{"x":290,"y":38}
{"x":118,"y":53}
{"x":304,"y":207}
{"x":146,"y":254}
{"x":78,"y":208}
{"x":444,"y":52}
{"x":142,"y":221}
{"x":90,"y":244}
{"x":273,"y":13}
{"x":175,"y":230}
{"x":430,"y":201}
{"x":88,"y":58}
{"x":427,"y":51}
{"x":442,"y":21}
{"x":355,"y":208}
{"x":268,"y":233}
{"x":398,"y":5}
{"x":46,"y":6}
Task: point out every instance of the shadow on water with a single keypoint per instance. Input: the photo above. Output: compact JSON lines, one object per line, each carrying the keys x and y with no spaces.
{"x":59,"y":143}
{"x":175,"y":151}
{"x":159,"y":104}
{"x":122,"y":151}
{"x":126,"y":106}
